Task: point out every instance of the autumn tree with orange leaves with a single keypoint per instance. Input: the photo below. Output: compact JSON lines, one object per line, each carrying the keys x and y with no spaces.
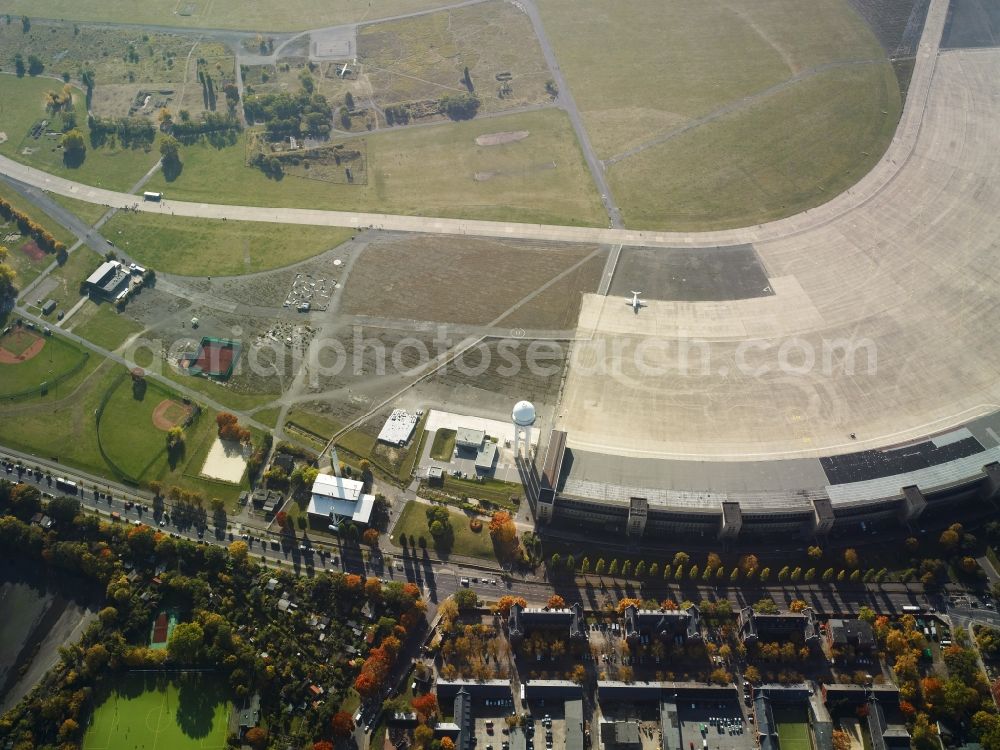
{"x":426,"y":706}
{"x":507,"y":601}
{"x":503,"y":531}
{"x":342,"y":724}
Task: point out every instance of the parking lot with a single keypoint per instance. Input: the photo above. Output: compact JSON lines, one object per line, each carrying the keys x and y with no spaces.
{"x":715,"y":725}
{"x":490,"y":723}
{"x":547,"y":728}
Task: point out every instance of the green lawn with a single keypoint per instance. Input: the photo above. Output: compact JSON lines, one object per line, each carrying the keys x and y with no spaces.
{"x":426,"y":170}
{"x":22,"y":105}
{"x":413,"y":522}
{"x":491,"y":489}
{"x":206,"y":247}
{"x":61,"y":424}
{"x":355,"y":441}
{"x":127,"y":432}
{"x":81,"y":263}
{"x":56,"y":357}
{"x":221,"y":14}
{"x":665,"y":64}
{"x":189,"y":712}
{"x":443,"y":447}
{"x":131,"y":440}
{"x":103,"y":325}
{"x":90,"y":213}
{"x":760,"y":163}
{"x":268,"y":416}
{"x":224,"y":395}
{"x":25,"y":264}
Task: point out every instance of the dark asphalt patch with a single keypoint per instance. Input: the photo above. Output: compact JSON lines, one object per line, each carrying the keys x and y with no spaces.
{"x":709,"y":274}
{"x":972,"y":23}
{"x":876,"y":464}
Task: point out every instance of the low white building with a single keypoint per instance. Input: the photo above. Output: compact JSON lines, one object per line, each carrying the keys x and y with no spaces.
{"x":336,"y":498}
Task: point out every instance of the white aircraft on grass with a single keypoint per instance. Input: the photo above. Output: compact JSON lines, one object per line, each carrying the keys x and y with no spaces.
{"x":635,"y":303}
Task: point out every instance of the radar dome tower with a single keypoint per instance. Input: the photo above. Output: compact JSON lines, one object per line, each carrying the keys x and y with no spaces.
{"x":523,"y":417}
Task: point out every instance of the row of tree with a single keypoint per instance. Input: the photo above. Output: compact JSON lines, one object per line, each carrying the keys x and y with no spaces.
{"x":26,"y":226}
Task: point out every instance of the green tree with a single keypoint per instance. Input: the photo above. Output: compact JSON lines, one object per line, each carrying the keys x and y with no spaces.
{"x":783,"y":573}
{"x":74,"y":147}
{"x":855,"y":576}
{"x":19,"y":66}
{"x":626,"y":568}
{"x":613,"y":568}
{"x":796,"y":574}
{"x":640,"y":569}
{"x":667,"y":572}
{"x":694,"y":572}
{"x":460,"y":106}
{"x":599,"y":568}
{"x":185,"y":642}
{"x":765,"y":573}
{"x":170,"y":153}
{"x":735,"y":575}
{"x":35,"y":65}
{"x":349,"y":101}
{"x":828,"y":575}
{"x":842,"y":575}
{"x":654,"y":570}
{"x":585,"y":565}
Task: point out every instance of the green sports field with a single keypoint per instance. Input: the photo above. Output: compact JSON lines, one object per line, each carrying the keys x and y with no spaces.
{"x":793,"y":730}
{"x":56,"y":357}
{"x":188,"y":713}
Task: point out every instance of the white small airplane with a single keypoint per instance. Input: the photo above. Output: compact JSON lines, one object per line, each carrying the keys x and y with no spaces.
{"x":343,"y":71}
{"x":635,"y":303}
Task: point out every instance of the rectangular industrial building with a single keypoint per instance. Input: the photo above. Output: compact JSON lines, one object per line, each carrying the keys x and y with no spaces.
{"x":486,"y":458}
{"x":398,"y":428}
{"x":469,"y":438}
{"x":109,"y":280}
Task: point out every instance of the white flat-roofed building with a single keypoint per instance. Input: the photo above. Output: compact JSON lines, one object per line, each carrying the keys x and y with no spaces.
{"x":398,"y":427}
{"x":339,"y":498}
{"x":469,"y":437}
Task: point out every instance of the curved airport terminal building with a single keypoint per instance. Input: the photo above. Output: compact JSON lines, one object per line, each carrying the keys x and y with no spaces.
{"x":832,"y":372}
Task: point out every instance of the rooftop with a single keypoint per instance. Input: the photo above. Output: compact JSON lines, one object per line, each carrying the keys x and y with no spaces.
{"x":398,"y":427}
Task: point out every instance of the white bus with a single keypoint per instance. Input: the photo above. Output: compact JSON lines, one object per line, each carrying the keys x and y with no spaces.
{"x":911,"y":609}
{"x":152,"y":196}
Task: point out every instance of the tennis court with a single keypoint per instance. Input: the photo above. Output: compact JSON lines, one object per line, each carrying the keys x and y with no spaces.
{"x":163,"y":628}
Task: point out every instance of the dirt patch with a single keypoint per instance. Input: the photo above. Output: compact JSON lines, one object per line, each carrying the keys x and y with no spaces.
{"x":454,"y":279}
{"x":20,"y":346}
{"x":3,"y":137}
{"x":497,"y":139}
{"x":33,"y":251}
{"x":169,"y":413}
{"x":484,"y":176}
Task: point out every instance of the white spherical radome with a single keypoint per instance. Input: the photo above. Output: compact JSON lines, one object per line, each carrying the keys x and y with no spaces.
{"x":523,"y":413}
